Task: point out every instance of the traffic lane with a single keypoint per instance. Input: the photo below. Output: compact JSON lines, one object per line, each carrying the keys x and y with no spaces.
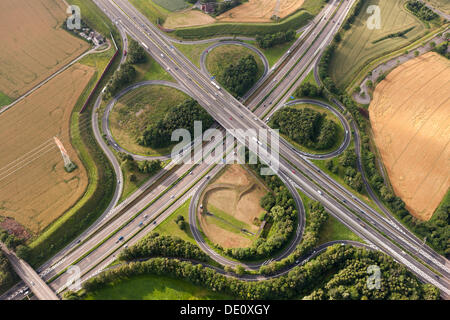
{"x":200,"y":80}
{"x":100,"y":235}
{"x":297,"y":54}
{"x":148,"y":228}
{"x":314,"y":46}
{"x":109,"y":246}
{"x":132,"y":211}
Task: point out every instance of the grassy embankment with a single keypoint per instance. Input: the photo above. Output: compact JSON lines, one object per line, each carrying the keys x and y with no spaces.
{"x":332,"y":230}
{"x":152,"y":287}
{"x":139,"y":109}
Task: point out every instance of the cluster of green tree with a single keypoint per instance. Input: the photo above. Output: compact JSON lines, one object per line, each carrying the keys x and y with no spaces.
{"x":306,"y":127}
{"x":7,"y":275}
{"x":437,"y":228}
{"x":180,"y":222}
{"x":239,"y":78}
{"x":353,"y":14}
{"x":15,"y":244}
{"x":442,"y":49}
{"x":149,"y":167}
{"x":281,"y":215}
{"x":159,"y":134}
{"x":421,"y":10}
{"x":299,"y":282}
{"x":324,"y":66}
{"x":224,"y":6}
{"x":136,"y":53}
{"x":394,"y":35}
{"x":126,"y":74}
{"x":350,"y":283}
{"x":352,"y":176}
{"x":155,"y":245}
{"x":308,"y":89}
{"x":316,"y":218}
{"x":122,"y":77}
{"x":272,"y":39}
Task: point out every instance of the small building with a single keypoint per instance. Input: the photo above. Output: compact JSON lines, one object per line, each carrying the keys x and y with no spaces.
{"x":208,"y":7}
{"x":98,"y":39}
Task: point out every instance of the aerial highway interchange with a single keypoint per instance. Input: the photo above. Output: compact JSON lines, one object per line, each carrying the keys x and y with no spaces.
{"x":97,"y":247}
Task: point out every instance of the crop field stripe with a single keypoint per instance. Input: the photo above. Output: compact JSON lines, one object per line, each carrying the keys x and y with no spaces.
{"x":357,"y":48}
{"x":37,"y":155}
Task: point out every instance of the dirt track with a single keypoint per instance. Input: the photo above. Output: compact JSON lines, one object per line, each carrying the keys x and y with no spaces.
{"x":410,"y":117}
{"x":235,"y":193}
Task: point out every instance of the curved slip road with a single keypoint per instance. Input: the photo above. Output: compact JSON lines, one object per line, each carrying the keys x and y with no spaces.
{"x":111,"y":104}
{"x":238,"y":43}
{"x":251,"y":266}
{"x":339,"y":115}
{"x":391,"y":219}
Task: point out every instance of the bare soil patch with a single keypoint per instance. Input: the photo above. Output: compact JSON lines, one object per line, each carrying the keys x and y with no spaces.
{"x":35,"y":189}
{"x":410,"y":117}
{"x":34,"y":45}
{"x":236,"y":193}
{"x":260,"y":10}
{"x":187,"y":18}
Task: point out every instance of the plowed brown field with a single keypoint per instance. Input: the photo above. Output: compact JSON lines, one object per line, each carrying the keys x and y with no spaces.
{"x":260,"y":10}
{"x":34,"y":187}
{"x":410,"y":117}
{"x":33,"y":43}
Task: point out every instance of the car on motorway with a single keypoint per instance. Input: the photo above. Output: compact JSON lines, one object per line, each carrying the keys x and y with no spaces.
{"x":141,"y":224}
{"x":319,"y":192}
{"x":146,"y":216}
{"x":119,"y":239}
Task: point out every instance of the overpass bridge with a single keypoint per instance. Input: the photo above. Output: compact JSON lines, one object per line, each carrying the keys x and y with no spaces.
{"x":38,"y":286}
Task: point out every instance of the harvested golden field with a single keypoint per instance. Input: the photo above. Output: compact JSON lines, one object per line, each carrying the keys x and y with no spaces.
{"x":232,"y":205}
{"x":260,"y":10}
{"x":410,"y":117}
{"x":187,"y":18}
{"x":35,"y":189}
{"x":34,"y":45}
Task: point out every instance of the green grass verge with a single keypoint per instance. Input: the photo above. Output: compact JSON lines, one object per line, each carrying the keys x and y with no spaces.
{"x":131,"y":186}
{"x":332,"y":229}
{"x":193,"y":51}
{"x":95,"y":18}
{"x":172,"y":5}
{"x":169,"y":228}
{"x":273,"y":54}
{"x":155,"y":13}
{"x":4,"y":99}
{"x":150,"y":70}
{"x":295,"y":21}
{"x":228,"y":218}
{"x":152,"y":287}
{"x":218,"y":59}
